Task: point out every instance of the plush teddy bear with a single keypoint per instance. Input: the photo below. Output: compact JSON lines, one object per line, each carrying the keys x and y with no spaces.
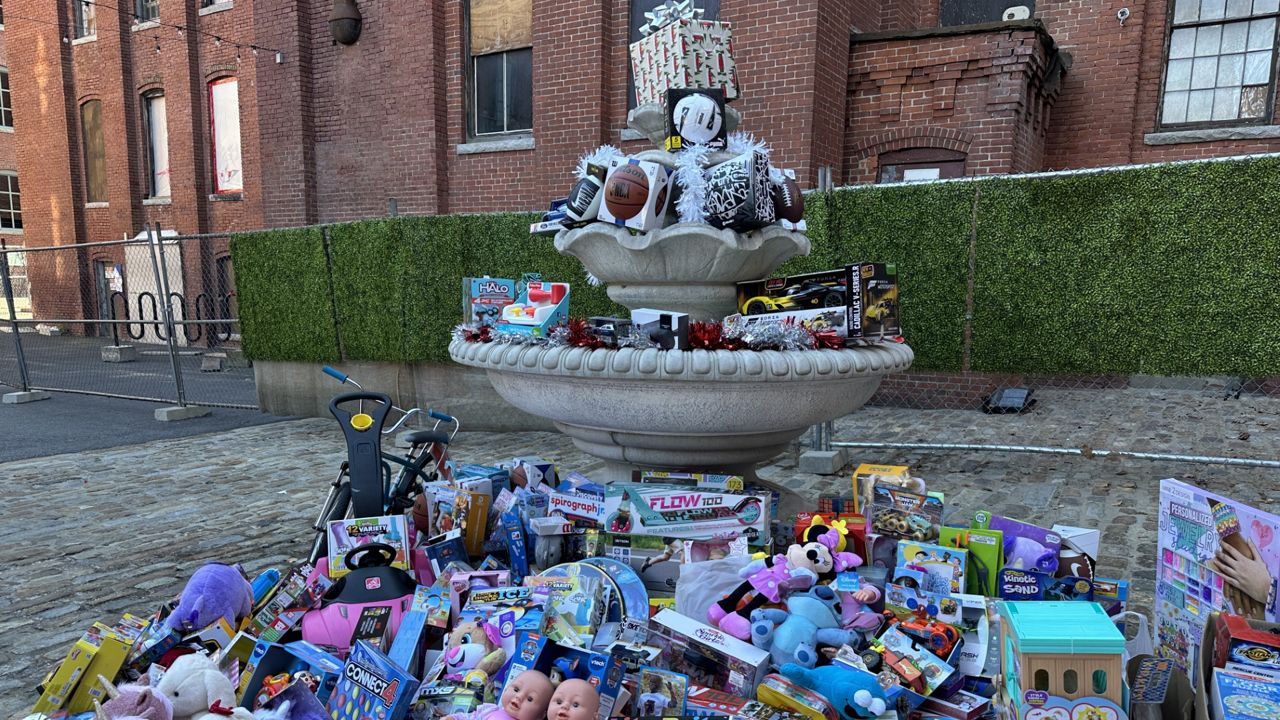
{"x":768,"y":579}
{"x":473,"y":645}
{"x":855,"y":695}
{"x":214,"y":591}
{"x":812,"y":618}
{"x":198,"y":690}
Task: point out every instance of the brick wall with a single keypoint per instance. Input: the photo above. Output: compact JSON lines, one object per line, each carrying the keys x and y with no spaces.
{"x":984,"y":93}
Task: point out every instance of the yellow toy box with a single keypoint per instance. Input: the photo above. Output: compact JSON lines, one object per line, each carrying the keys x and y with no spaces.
{"x":113,"y":648}
{"x":58,"y":686}
{"x":866,"y":475}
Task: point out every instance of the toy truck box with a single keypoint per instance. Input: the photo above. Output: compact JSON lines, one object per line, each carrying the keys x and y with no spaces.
{"x":535,"y":651}
{"x":873,"y":301}
{"x":709,"y":656}
{"x":483,"y":299}
{"x":679,"y":512}
{"x":269,"y":659}
{"x":541,"y":307}
{"x":904,"y":515}
{"x":371,"y":686}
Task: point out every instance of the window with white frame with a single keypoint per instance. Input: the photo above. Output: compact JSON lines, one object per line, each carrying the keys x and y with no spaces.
{"x":500,"y":46}
{"x":10,"y":203}
{"x":85,"y":15}
{"x":157,"y":133}
{"x":6,"y":103}
{"x":1220,"y":68}
{"x":224,"y":129}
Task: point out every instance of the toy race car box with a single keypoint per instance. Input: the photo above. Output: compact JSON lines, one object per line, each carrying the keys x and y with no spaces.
{"x":790,"y":293}
{"x":967,"y":613}
{"x":873,"y":300}
{"x":371,"y":686}
{"x":904,"y":515}
{"x":672,"y":511}
{"x":710,"y":657}
{"x":542,"y":306}
{"x":832,"y":320}
{"x":347,"y":535}
{"x":535,"y":651}
{"x":483,"y":299}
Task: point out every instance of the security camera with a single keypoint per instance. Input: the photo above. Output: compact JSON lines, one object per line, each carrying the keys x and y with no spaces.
{"x":1122,"y":14}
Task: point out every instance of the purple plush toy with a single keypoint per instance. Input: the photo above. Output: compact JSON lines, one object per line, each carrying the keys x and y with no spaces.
{"x":214,"y":591}
{"x":132,"y":701}
{"x":1022,"y":553}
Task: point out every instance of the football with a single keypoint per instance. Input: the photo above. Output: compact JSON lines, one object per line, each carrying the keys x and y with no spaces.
{"x":788,"y":201}
{"x":626,"y":191}
{"x":584,"y":200}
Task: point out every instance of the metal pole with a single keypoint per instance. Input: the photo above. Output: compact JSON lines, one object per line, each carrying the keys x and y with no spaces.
{"x":1042,"y":450}
{"x":162,"y":276}
{"x":13,"y":321}
{"x":828,"y":431}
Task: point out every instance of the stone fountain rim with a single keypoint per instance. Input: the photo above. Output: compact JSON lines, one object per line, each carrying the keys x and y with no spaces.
{"x":748,"y":241}
{"x":695,"y":366}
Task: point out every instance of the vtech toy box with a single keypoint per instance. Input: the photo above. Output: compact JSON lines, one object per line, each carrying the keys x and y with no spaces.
{"x":371,"y":686}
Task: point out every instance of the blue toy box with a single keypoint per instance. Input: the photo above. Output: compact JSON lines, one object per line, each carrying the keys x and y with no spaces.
{"x":537,"y":652}
{"x":483,"y":299}
{"x":1241,"y":698}
{"x":268,"y":659}
{"x":372,"y":686}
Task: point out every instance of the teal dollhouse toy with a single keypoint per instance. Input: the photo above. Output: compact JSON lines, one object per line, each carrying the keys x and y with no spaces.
{"x":1062,"y":660}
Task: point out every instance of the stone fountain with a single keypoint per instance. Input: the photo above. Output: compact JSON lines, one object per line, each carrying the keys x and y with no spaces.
{"x":695,"y":410}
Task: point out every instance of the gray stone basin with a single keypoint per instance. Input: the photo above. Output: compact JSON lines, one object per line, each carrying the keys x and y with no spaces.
{"x":683,"y":410}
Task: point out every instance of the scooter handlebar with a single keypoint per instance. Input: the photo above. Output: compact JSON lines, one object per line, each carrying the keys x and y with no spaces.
{"x":335,"y":374}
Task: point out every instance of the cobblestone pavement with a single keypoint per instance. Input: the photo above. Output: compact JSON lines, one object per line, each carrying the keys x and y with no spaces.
{"x":93,"y":534}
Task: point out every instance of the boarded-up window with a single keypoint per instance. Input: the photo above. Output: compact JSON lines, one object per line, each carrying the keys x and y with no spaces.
{"x":95,"y":152}
{"x":499,"y":25}
{"x":157,"y":132}
{"x":224,"y":121}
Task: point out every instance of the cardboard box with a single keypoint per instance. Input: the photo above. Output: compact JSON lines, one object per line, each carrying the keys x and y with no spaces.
{"x":1085,"y":540}
{"x":371,"y":686}
{"x":298,"y":591}
{"x":1236,"y":697}
{"x":62,"y":682}
{"x":709,"y":656}
{"x":535,"y":651}
{"x":695,"y":116}
{"x":652,"y":214}
{"x":373,"y":626}
{"x":904,"y":515}
{"x":681,"y":512}
{"x":684,"y":54}
{"x":1238,"y":641}
{"x":483,"y":298}
{"x":269,"y":658}
{"x":873,"y":300}
{"x":541,"y":307}
{"x":113,"y":648}
{"x":866,"y":475}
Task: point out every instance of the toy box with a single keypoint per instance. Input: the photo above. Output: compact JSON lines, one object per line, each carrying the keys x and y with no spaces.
{"x":483,"y":299}
{"x":59,"y":685}
{"x":866,"y":476}
{"x":671,"y":511}
{"x":706,"y":702}
{"x":658,"y":563}
{"x":535,"y":651}
{"x":1158,"y":689}
{"x":464,"y":507}
{"x":985,"y":557}
{"x":936,"y":672}
{"x":542,"y":306}
{"x":1236,"y":697}
{"x":651,"y":215}
{"x":873,"y":300}
{"x":710,"y":657}
{"x":709,"y":481}
{"x":269,"y":659}
{"x":943,"y":566}
{"x":373,"y":626}
{"x":113,"y":648}
{"x":668,"y":329}
{"x":960,"y":705}
{"x":1203,"y":671}
{"x":1061,"y":659}
{"x":904,"y":515}
{"x":1026,"y":546}
{"x":346,"y":535}
{"x":1239,"y":642}
{"x":967,"y":613}
{"x":371,"y":686}
{"x":824,"y":320}
{"x":809,"y":291}
{"x":577,"y":506}
{"x":438,"y":701}
{"x":298,"y":591}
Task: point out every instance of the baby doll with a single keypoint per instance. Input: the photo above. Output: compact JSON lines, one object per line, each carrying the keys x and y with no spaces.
{"x":574,"y":700}
{"x":524,"y":698}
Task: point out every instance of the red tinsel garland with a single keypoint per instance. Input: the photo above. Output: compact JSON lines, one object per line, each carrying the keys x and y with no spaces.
{"x":581,"y":334}
{"x":826,"y":340}
{"x":710,"y":336}
{"x":476,"y":335}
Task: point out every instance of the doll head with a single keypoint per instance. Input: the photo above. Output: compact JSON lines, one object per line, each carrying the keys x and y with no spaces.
{"x":527,"y":695}
{"x":574,"y":700}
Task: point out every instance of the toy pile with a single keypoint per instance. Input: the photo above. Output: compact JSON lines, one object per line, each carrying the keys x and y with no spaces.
{"x":518,"y":592}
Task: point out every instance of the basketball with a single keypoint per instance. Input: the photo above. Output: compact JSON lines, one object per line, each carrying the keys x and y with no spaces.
{"x":626,"y":191}
{"x":788,"y":202}
{"x":421,"y":514}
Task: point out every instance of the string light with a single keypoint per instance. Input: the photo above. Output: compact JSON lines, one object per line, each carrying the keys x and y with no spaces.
{"x":157,"y":37}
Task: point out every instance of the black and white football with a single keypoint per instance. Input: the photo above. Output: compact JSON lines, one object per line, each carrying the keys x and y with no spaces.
{"x":584,"y":200}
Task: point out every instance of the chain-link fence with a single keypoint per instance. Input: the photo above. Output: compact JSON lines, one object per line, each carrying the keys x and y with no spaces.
{"x":152,"y":318}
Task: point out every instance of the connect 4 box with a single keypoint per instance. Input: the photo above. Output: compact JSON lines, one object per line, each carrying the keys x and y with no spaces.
{"x":371,"y":686}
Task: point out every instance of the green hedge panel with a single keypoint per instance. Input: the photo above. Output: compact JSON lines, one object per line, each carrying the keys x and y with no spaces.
{"x":1166,"y":270}
{"x":282,"y":290}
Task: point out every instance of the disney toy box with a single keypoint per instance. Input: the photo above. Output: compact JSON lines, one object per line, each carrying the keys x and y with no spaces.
{"x":371,"y":686}
{"x":541,"y":306}
{"x":483,"y":299}
{"x":681,"y":512}
{"x":710,"y":657}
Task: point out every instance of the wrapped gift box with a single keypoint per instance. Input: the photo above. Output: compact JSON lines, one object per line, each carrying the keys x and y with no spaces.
{"x":685,"y":54}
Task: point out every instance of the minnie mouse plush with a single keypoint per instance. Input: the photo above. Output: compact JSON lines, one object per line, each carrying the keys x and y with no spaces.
{"x":766,"y":580}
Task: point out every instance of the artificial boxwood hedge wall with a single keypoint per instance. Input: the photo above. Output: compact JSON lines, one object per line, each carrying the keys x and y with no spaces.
{"x":1168,"y":269}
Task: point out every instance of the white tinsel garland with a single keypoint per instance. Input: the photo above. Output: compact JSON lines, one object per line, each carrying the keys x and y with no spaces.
{"x":600,"y":156}
{"x":741,"y":142}
{"x":692,"y":178}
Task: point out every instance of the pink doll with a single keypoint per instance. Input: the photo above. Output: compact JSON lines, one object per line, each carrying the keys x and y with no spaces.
{"x":525,"y":697}
{"x":574,"y":700}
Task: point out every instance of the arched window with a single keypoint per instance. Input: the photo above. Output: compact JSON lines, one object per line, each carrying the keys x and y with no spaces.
{"x":916,"y":164}
{"x":1070,"y":682}
{"x":157,"y":135}
{"x":1042,"y":680}
{"x":1099,"y":682}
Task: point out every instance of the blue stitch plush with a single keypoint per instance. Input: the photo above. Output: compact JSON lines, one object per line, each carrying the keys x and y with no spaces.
{"x":793,"y":635}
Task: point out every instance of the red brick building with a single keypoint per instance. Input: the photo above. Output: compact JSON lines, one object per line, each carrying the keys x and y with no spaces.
{"x":10,"y":190}
{"x":475,"y":105}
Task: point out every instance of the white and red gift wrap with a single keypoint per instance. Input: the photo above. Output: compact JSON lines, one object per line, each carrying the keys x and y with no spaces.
{"x":684,"y":54}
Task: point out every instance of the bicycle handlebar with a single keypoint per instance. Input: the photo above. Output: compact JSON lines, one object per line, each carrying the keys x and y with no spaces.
{"x":436,"y":414}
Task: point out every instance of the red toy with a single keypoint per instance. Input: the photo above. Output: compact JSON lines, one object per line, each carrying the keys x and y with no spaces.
{"x":941,"y":637}
{"x":1240,"y":642}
